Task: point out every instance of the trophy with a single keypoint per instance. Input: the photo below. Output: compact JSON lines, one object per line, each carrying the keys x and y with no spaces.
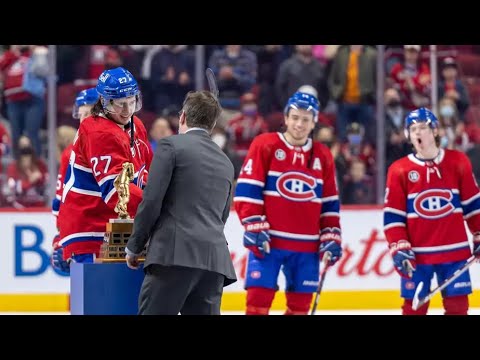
{"x":118,"y":230}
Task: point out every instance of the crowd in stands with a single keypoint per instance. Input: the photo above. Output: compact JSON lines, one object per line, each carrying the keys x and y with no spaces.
{"x":254,"y":82}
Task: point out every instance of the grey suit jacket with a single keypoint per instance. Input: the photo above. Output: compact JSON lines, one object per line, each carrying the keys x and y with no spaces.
{"x":185,"y":206}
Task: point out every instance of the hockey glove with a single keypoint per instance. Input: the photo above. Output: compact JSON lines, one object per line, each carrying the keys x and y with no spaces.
{"x":256,"y":237}
{"x":330,"y":241}
{"x":57,"y":257}
{"x":403,"y":258}
{"x":476,"y":245}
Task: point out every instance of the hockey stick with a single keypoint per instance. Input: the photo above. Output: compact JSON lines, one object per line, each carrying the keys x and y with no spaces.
{"x":325,"y":266}
{"x":416,"y":303}
{"x":408,"y":265}
{"x":212,"y":83}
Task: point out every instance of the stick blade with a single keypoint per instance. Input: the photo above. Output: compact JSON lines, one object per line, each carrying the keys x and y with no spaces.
{"x":416,"y":300}
{"x":212,"y":82}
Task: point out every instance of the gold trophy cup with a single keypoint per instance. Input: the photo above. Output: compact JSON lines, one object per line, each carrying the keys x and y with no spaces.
{"x":118,"y":230}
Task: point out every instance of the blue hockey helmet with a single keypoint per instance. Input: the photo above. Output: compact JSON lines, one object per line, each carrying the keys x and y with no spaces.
{"x":420,"y":115}
{"x":301,"y":100}
{"x":84,"y":97}
{"x":118,"y":83}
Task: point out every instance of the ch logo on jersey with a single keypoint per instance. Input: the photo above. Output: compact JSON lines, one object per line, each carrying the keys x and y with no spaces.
{"x":296,"y":186}
{"x":433,"y":203}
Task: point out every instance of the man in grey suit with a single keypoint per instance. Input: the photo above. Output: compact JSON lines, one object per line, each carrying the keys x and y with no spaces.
{"x":182,"y":214}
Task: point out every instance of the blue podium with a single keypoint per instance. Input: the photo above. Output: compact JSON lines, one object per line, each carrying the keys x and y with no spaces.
{"x":104,"y":289}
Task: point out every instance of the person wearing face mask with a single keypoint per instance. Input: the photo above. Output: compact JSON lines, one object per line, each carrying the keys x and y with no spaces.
{"x":222,"y":139}
{"x":395,"y":111}
{"x":447,"y":111}
{"x":396,"y":144}
{"x":428,"y":195}
{"x":452,"y":129}
{"x":451,"y":86}
{"x":355,"y":133}
{"x":326,"y":135}
{"x":27,"y":177}
{"x":243,"y":128}
{"x":109,"y":137}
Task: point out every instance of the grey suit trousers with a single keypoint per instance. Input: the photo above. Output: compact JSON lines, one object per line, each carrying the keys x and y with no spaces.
{"x":170,"y":290}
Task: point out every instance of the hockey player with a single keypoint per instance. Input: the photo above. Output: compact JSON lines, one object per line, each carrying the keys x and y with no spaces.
{"x":105,"y":141}
{"x":83,"y":105}
{"x":429,"y":194}
{"x":287,"y":199}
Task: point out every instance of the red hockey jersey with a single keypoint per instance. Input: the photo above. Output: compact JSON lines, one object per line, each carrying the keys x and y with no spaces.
{"x":89,"y":196}
{"x":426,"y":203}
{"x":56,"y":202}
{"x":13,"y":78}
{"x":298,"y":197}
{"x":243,"y":129}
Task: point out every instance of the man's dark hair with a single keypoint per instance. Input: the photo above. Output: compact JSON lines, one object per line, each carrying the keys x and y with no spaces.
{"x":201,"y":109}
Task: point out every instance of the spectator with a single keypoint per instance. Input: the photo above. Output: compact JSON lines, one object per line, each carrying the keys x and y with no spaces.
{"x":5,"y":142}
{"x":25,"y":68}
{"x":451,"y":86}
{"x":220,"y":137}
{"x":170,"y":76}
{"x":412,"y":78}
{"x":269,"y":59}
{"x":27,"y":177}
{"x":5,"y":149}
{"x":358,"y":185}
{"x":352,"y":84}
{"x":65,"y":136}
{"x":160,"y":128}
{"x":243,"y":128}
{"x":474,"y":155}
{"x":236,"y":72}
{"x":396,"y":144}
{"x":326,"y":135}
{"x":301,"y":69}
{"x":325,"y":53}
{"x":452,"y":131}
{"x":144,"y":55}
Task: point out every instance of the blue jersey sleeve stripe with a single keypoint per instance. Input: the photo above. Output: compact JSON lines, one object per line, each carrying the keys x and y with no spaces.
{"x":471,"y":207}
{"x":390,"y":218}
{"x":331,"y":206}
{"x":249,"y":191}
{"x":319,"y":191}
{"x":271,"y":184}
{"x":55,"y":204}
{"x":106,"y":187}
{"x":85,"y":180}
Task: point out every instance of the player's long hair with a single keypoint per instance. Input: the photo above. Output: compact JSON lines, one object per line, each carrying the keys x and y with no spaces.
{"x":97,"y":109}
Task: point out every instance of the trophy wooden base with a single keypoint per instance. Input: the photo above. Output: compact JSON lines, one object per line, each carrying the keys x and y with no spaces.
{"x":117,"y":233}
{"x":115,"y":261}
